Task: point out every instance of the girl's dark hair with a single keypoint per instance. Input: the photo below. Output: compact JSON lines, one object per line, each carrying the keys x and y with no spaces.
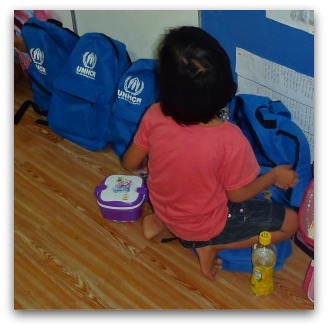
{"x":195,"y":76}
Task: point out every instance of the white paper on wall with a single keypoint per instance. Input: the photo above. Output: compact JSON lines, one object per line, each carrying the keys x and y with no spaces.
{"x":262,"y":77}
{"x":300,"y":19}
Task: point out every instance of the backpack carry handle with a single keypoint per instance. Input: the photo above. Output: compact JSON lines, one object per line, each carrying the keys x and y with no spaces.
{"x":34,"y":23}
{"x":55,"y":22}
{"x":267,"y":114}
{"x":267,"y":120}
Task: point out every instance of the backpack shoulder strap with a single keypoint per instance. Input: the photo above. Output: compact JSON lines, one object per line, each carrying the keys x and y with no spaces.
{"x":24,"y":107}
{"x":241,"y":115}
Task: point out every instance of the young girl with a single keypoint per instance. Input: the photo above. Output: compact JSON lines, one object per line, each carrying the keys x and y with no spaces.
{"x":202,"y":170}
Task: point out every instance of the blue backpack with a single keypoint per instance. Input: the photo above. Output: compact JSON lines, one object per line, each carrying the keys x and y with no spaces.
{"x":276,"y":140}
{"x":240,"y":260}
{"x":49,"y":45}
{"x":137,"y":90}
{"x":85,"y":90}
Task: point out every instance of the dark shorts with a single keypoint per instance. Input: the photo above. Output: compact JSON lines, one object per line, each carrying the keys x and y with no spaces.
{"x":245,"y":220}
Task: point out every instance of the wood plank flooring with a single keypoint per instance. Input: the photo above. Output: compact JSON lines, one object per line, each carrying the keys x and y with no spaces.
{"x":67,"y":256}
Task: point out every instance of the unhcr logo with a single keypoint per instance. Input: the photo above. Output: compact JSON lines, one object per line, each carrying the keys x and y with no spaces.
{"x":133,"y":85}
{"x":89,"y":60}
{"x":132,"y":88}
{"x":89,"y":63}
{"x":37,"y":56}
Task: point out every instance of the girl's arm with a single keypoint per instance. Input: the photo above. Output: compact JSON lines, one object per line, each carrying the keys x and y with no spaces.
{"x":134,"y":158}
{"x":282,"y":176}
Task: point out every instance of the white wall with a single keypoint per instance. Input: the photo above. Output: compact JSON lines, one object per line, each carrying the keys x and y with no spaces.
{"x":140,"y":30}
{"x":65,"y":17}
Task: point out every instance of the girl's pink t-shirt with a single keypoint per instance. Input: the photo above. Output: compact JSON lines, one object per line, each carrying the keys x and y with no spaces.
{"x":190,"y":168}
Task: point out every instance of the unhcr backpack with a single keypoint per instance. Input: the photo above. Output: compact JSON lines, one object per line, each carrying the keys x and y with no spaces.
{"x":49,"y":46}
{"x":240,"y":259}
{"x":276,"y":140}
{"x":137,"y":90}
{"x":85,"y":90}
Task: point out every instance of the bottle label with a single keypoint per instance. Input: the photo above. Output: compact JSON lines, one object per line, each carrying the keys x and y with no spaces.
{"x":262,"y":280}
{"x":257,"y":275}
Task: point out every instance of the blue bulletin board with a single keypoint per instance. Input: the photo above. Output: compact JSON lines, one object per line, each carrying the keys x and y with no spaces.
{"x":252,"y":31}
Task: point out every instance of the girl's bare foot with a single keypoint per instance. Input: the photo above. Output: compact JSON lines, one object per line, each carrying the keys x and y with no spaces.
{"x":152,"y":226}
{"x":209,"y":263}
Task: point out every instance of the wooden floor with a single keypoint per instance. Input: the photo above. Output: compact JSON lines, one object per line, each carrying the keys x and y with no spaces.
{"x":67,"y":256}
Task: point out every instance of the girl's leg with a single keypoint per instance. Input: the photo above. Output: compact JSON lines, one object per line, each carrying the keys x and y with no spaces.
{"x":152,"y":226}
{"x":208,"y":261}
{"x":208,"y":255}
{"x":288,"y":228}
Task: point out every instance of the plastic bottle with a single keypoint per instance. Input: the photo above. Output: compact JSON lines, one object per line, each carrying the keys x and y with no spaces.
{"x":263,"y":259}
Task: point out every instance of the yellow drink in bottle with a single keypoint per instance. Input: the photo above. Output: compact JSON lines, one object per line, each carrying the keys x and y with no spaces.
{"x":263,"y":259}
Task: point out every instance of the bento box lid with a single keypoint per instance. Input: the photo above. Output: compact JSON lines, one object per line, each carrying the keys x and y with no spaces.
{"x":121,"y":191}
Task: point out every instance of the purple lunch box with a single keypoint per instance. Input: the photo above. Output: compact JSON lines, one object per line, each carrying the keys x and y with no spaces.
{"x":120,"y":197}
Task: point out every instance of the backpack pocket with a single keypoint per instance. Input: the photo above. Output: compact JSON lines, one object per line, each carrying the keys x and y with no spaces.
{"x":79,"y":115}
{"x":137,"y":90}
{"x":123,"y":126}
{"x":41,"y":92}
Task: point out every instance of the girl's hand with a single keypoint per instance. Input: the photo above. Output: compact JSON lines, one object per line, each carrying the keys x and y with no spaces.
{"x":285,"y":177}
